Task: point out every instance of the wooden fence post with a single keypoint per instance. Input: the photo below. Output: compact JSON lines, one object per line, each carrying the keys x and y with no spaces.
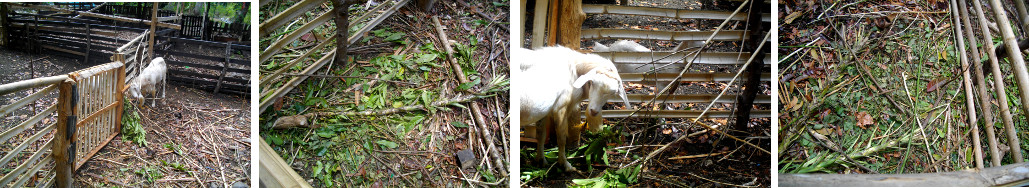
{"x":153,"y":32}
{"x":570,"y":18}
{"x":89,"y":43}
{"x":119,"y":93}
{"x":64,"y":139}
{"x":225,"y":66}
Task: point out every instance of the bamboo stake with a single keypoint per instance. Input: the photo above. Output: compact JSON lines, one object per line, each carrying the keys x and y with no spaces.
{"x":1017,"y":66}
{"x":1022,"y":15}
{"x":998,"y":77}
{"x":968,"y":91}
{"x":984,"y":96}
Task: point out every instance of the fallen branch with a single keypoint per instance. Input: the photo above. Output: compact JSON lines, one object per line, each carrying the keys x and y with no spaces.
{"x":498,"y":159}
{"x":301,"y":120}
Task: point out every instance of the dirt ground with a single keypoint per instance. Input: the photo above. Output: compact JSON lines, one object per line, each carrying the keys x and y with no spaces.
{"x":207,"y":134}
{"x":349,"y":148}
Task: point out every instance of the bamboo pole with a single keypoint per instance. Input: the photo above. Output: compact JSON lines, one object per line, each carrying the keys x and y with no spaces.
{"x":984,"y":96}
{"x":539,"y":25}
{"x":1017,"y":66}
{"x":972,"y":119}
{"x":998,"y":77}
{"x":1023,"y":17}
{"x":298,"y":9}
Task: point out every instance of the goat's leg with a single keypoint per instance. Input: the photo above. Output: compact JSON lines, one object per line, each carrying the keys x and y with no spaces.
{"x":541,"y":138}
{"x":562,"y":136}
{"x":575,"y":130}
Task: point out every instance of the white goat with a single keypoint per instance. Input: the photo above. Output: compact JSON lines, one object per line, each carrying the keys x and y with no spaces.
{"x":620,"y":46}
{"x":147,"y":80}
{"x":552,"y":82}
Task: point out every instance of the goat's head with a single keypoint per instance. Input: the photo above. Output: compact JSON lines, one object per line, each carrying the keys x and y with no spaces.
{"x":604,"y":83}
{"x":134,"y":91}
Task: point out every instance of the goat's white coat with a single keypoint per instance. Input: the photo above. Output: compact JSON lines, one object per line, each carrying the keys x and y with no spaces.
{"x":553,"y":81}
{"x":147,"y":80}
{"x":620,"y":46}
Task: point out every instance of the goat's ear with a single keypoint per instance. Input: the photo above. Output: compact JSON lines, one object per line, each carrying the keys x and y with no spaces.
{"x":621,"y":93}
{"x":579,"y":82}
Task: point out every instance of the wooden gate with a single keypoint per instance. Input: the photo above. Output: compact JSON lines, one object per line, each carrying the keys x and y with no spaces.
{"x":98,"y":107}
{"x":84,"y":118}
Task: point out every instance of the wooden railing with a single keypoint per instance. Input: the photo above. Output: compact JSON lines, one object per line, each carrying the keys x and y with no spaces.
{"x":88,"y":115}
{"x":32,"y":166}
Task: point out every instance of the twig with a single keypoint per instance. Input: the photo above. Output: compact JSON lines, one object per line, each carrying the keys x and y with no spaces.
{"x":697,"y":156}
{"x":696,"y":120}
{"x":921,"y":128}
{"x":357,"y":77}
{"x":479,"y":119}
{"x":178,"y":179}
{"x":718,"y":182}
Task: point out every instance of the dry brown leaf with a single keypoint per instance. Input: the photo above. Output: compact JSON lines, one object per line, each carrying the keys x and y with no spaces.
{"x":863,"y":119}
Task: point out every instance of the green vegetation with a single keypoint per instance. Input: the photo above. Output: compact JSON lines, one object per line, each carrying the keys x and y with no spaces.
{"x":131,"y":128}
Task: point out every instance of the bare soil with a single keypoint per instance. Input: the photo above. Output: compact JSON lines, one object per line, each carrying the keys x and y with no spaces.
{"x":210,"y":131}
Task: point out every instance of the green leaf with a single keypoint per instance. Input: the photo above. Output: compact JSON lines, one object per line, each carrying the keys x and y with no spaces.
{"x":395,"y":36}
{"x":468,"y":85}
{"x":458,"y":124}
{"x":423,"y":58}
{"x":387,"y":144}
{"x":318,"y":169}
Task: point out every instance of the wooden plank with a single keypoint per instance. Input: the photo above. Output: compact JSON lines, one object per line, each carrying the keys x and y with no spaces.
{"x":91,"y":153}
{"x":718,"y":58}
{"x":96,"y":15}
{"x":687,"y":77}
{"x":678,"y":114}
{"x":288,"y":15}
{"x":210,"y":67}
{"x":688,"y":98}
{"x":94,"y":115}
{"x":275,"y":172}
{"x":666,"y":12}
{"x":58,"y":28}
{"x":207,"y":76}
{"x":205,"y":83}
{"x":731,"y":35}
{"x":1002,"y":176}
{"x":204,"y":57}
{"x":209,"y":43}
